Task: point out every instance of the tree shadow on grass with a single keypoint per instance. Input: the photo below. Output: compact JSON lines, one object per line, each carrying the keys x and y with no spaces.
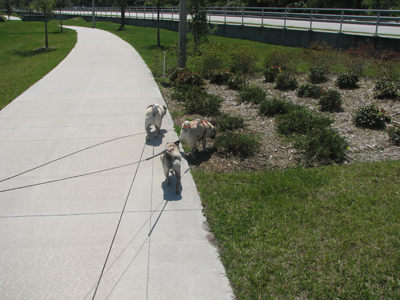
{"x":29,"y":52}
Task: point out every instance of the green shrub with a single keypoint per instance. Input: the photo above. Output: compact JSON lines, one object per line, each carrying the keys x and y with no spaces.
{"x":276,"y":106}
{"x":394,"y":133}
{"x":237,"y":82}
{"x":323,"y":146}
{"x":361,"y":57}
{"x":208,"y":105}
{"x":281,"y":58}
{"x":243,"y":60}
{"x":387,"y":89}
{"x":271,"y":73}
{"x":220,"y":76}
{"x":285,"y":81}
{"x":251,"y":93}
{"x":184,"y":92}
{"x":301,"y":121}
{"x":371,"y":117}
{"x":347,"y":81}
{"x":321,"y":55}
{"x":309,"y":91}
{"x":228,"y":122}
{"x":237,"y":143}
{"x":317,"y":74}
{"x":213,"y":56}
{"x":330,"y":101}
{"x":186,"y":77}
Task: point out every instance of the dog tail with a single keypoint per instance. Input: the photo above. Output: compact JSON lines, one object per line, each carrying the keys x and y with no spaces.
{"x":155,"y":108}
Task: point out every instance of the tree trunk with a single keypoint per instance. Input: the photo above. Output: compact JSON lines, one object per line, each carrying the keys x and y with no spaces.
{"x":45,"y":28}
{"x":61,"y":21}
{"x":122,"y":27}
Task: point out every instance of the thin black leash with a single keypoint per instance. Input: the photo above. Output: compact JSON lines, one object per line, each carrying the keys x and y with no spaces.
{"x":65,"y":156}
{"x":80,"y":175}
{"x":126,"y":247}
{"x":119,"y":223}
{"x":67,"y":178}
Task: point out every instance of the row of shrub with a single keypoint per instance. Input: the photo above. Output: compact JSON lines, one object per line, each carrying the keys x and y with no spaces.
{"x":310,"y":131}
{"x":190,"y":91}
{"x":197,"y":101}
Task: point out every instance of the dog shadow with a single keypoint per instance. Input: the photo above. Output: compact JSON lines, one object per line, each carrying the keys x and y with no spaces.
{"x":201,"y":156}
{"x":169,"y":190}
{"x":156,"y":141}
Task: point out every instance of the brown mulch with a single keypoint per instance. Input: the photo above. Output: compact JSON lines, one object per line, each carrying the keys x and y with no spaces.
{"x":277,"y":153}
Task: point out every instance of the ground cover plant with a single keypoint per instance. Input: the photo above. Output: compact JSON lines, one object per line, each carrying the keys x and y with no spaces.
{"x":23,"y":58}
{"x":330,"y":100}
{"x":284,"y":230}
{"x":371,"y":116}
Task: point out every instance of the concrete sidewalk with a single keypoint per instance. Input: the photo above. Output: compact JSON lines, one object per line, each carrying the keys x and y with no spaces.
{"x":87,"y":217}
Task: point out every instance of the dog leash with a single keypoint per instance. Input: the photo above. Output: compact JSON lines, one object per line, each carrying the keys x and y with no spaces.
{"x":164,"y":150}
{"x":86,"y":174}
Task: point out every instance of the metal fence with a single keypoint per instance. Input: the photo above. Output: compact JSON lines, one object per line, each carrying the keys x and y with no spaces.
{"x":256,"y":16}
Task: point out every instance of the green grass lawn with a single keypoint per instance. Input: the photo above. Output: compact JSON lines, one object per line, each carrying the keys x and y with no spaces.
{"x":324,"y":233}
{"x":23,"y":60}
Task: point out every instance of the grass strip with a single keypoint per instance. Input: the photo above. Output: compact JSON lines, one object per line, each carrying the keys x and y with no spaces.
{"x":322,"y":233}
{"x":24,"y":60}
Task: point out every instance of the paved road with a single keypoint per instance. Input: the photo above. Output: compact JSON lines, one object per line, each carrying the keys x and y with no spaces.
{"x":12,"y":18}
{"x":83,"y":215}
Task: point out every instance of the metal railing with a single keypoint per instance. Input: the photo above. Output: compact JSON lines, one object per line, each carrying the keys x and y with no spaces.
{"x":258,"y":16}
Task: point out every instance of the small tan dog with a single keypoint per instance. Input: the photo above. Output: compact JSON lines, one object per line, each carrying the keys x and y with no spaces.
{"x":171,"y":160}
{"x":196,"y":131}
{"x":154,"y":115}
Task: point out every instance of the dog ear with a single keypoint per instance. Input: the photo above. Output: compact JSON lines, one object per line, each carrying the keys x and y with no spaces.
{"x":177,"y":143}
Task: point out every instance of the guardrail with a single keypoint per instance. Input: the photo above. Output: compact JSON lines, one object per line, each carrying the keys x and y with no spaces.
{"x":257,"y":16}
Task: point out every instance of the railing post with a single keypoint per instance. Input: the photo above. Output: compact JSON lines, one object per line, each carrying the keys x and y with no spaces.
{"x":284,"y":22}
{"x":341,"y":22}
{"x":144,"y":12}
{"x":311,"y":19}
{"x":242,"y":16}
{"x":262,"y":18}
{"x":377,"y":24}
{"x":225,"y":16}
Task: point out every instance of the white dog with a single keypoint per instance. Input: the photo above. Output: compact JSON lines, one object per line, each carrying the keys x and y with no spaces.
{"x":196,"y":131}
{"x":171,"y":160}
{"x":154,"y":115}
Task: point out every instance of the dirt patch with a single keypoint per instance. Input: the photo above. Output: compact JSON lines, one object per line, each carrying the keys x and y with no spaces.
{"x":277,"y":153}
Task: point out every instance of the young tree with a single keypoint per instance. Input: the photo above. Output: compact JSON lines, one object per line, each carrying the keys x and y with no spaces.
{"x":59,"y":4}
{"x":158,"y":3}
{"x":122,"y":4}
{"x":46,"y":6}
{"x":7,"y":5}
{"x":198,"y":24}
